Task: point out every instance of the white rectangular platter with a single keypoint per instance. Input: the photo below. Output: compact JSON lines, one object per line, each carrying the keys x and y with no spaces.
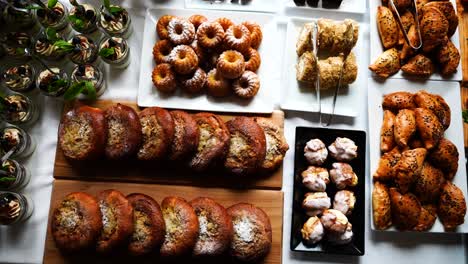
{"x":298,"y":97}
{"x":269,"y":72}
{"x":269,"y":6}
{"x":348,"y":6}
{"x":377,"y":48}
{"x":450,"y":91}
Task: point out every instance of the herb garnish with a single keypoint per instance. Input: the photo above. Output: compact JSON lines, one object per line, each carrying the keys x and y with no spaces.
{"x":77,"y":21}
{"x":51,"y":35}
{"x":50,"y":4}
{"x":56,"y":85}
{"x":64,"y":45}
{"x":465,"y":115}
{"x":114,"y":10}
{"x":80,"y":87}
{"x":107,"y":52}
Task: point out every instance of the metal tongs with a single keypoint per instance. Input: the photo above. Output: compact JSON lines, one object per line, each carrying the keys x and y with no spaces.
{"x":400,"y":23}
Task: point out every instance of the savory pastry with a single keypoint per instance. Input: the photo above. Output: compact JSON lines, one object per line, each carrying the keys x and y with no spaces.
{"x":195,"y":82}
{"x":247,"y":85}
{"x":387,"y":27}
{"x":387,"y":138}
{"x":164,"y":78}
{"x":186,"y":135}
{"x":315,"y":203}
{"x":381,"y":208}
{"x":304,"y":40}
{"x":449,"y":58}
{"x":226,"y":23}
{"x":407,"y":19}
{"x":161,"y":51}
{"x":256,"y":34}
{"x":213,"y":142}
{"x":343,"y":175}
{"x":180,"y":31}
{"x":148,"y":225}
{"x":334,"y":221}
{"x":409,"y":168}
{"x":123,"y":132}
{"x":252,"y":60}
{"x":210,"y":35}
{"x":419,"y":65}
{"x":161,"y":26}
{"x":183,"y":59}
{"x":306,"y":67}
{"x":158,"y":132}
{"x":406,"y":209}
{"x":252,"y":232}
{"x":398,"y":100}
{"x":76,"y":222}
{"x":215,"y":231}
{"x":336,"y":37}
{"x":452,"y":206}
{"x":276,"y":145}
{"x":237,"y":37}
{"x":445,"y":157}
{"x":343,"y":149}
{"x":402,"y":4}
{"x":407,"y":51}
{"x":388,"y":63}
{"x":350,"y":69}
{"x":117,"y":220}
{"x":344,"y":201}
{"x":415,"y":143}
{"x":428,"y":184}
{"x":315,"y":178}
{"x":387,"y":165}
{"x":217,"y":85}
{"x":329,"y":70}
{"x":436,"y":104}
{"x":426,"y":218}
{"x":434,"y":28}
{"x":429,"y":128}
{"x":448,"y":10}
{"x":315,"y":152}
{"x":231,"y":64}
{"x":405,"y":127}
{"x":197,"y":20}
{"x":182,"y":227}
{"x":82,"y":133}
{"x":312,"y":231}
{"x":247,"y":147}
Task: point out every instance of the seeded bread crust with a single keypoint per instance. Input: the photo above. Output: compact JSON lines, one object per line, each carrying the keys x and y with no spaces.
{"x":276,"y":144}
{"x":123,"y":132}
{"x":252,"y":232}
{"x":117,"y":218}
{"x":148,"y":225}
{"x":181,"y":227}
{"x":186,"y":135}
{"x":76,"y":222}
{"x":215,"y":228}
{"x":82,"y":133}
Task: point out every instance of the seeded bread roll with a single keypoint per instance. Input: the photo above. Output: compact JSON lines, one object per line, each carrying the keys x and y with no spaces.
{"x":186,"y":135}
{"x":157,"y":128}
{"x":276,"y":145}
{"x":76,"y":222}
{"x":82,"y":133}
{"x":148,"y":225}
{"x":117,"y":220}
{"x":123,"y":132}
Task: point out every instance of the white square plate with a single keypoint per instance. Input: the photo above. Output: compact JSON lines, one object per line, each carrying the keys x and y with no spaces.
{"x":348,"y":6}
{"x":269,"y":72}
{"x":269,"y":6}
{"x":450,"y":91}
{"x":298,"y":97}
{"x":377,"y":48}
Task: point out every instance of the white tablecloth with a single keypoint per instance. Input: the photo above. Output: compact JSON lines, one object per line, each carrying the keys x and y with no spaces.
{"x":25,"y":243}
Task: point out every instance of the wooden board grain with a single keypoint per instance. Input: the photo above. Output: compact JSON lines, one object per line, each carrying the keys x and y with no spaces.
{"x":162,"y":172}
{"x":270,"y":201}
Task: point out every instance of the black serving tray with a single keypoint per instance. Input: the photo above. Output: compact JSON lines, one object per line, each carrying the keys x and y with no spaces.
{"x":357,"y":219}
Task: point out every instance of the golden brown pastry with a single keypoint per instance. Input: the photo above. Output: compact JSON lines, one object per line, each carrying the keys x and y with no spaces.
{"x":306,"y":68}
{"x":409,"y":168}
{"x":247,"y":85}
{"x":164,"y":78}
{"x":434,"y":28}
{"x":312,"y":231}
{"x":161,"y":26}
{"x":350,"y":70}
{"x":428,"y":184}
{"x":426,"y":218}
{"x":256,"y":35}
{"x":210,"y":35}
{"x":315,"y":203}
{"x":276,"y":145}
{"x":224,"y":22}
{"x":402,"y":4}
{"x":452,"y":206}
{"x":381,"y":208}
{"x":237,"y":37}
{"x":252,"y":60}
{"x":217,"y":85}
{"x":315,"y":178}
{"x":413,"y":36}
{"x":336,"y":37}
{"x":342,"y":175}
{"x":419,"y":65}
{"x":449,"y":57}
{"x":448,"y":10}
{"x":436,"y":104}
{"x":387,"y":27}
{"x":405,"y":126}
{"x":388,"y":63}
{"x":186,"y":135}
{"x":398,"y":100}
{"x":429,"y":128}
{"x":387,"y":164}
{"x":406,"y":209}
{"x":329,"y":71}
{"x":231,"y":64}
{"x":183,"y":59}
{"x":415,"y":143}
{"x":195,"y":82}
{"x":161,"y":51}
{"x":180,"y":31}
{"x":197,"y":20}
{"x":304,"y":40}
{"x":445,"y":157}
{"x":387,"y":138}
{"x":407,"y":19}
{"x":334,"y":221}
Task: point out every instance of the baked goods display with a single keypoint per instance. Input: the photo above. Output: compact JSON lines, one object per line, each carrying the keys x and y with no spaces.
{"x":420,"y":58}
{"x":412,"y":183}
{"x":198,"y":54}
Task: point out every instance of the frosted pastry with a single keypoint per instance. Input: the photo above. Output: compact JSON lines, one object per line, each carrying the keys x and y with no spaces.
{"x":315,"y":178}
{"x":343,"y":149}
{"x":343,"y":175}
{"x":312,"y":231}
{"x":341,"y":239}
{"x":315,"y":152}
{"x":344,"y":201}
{"x":316,"y":203}
{"x":334,"y":221}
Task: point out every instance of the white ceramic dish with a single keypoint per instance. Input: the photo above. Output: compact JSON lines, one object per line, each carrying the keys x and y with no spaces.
{"x":269,"y":72}
{"x":377,"y":48}
{"x":450,"y":91}
{"x":297,"y":97}
{"x":269,"y":6}
{"x":348,"y":6}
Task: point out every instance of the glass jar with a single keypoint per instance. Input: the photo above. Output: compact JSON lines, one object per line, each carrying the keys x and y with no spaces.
{"x":17,"y":15}
{"x":12,"y":136}
{"x":18,"y":109}
{"x":51,"y":84}
{"x":120,"y":59}
{"x":119,"y":25}
{"x":85,"y":51}
{"x":20,"y":78}
{"x":15,"y":44}
{"x":46,"y":49}
{"x":91,"y":74}
{"x":56,"y":17}
{"x":14,"y":208}
{"x":87,"y":14}
{"x":13,"y":175}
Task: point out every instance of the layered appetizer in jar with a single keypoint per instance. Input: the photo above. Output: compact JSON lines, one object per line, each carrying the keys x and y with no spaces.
{"x":15,"y":44}
{"x":15,"y":137}
{"x":17,"y":15}
{"x":115,"y":21}
{"x":48,"y":45}
{"x":84,"y":51}
{"x":13,"y":175}
{"x":54,"y":15}
{"x":20,"y":78}
{"x":92,"y":74}
{"x":115,"y":51}
{"x":18,"y":109}
{"x":83,"y":17}
{"x":53,"y":83}
{"x":14,"y":208}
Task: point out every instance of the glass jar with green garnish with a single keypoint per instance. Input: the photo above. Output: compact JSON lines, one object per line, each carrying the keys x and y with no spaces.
{"x":15,"y":137}
{"x":84,"y":50}
{"x":115,"y":20}
{"x":13,"y":175}
{"x":115,"y":52}
{"x":52,"y":14}
{"x":92,"y":74}
{"x":14,"y":208}
{"x":18,"y":15}
{"x":49,"y":45}
{"x":83,"y":17}
{"x":19,"y":78}
{"x":53,"y":82}
{"x":15,"y":44}
{"x":18,"y":109}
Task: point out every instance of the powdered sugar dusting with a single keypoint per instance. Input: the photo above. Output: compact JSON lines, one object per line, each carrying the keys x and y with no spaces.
{"x":244,"y":229}
{"x":186,"y":35}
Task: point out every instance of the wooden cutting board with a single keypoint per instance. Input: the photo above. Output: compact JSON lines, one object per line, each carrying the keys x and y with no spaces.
{"x":270,"y":201}
{"x":162,"y":172}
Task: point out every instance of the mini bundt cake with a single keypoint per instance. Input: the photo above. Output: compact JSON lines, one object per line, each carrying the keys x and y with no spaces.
{"x":237,"y":37}
{"x":252,"y":60}
{"x":197,"y":20}
{"x":161,"y":51}
{"x":231,"y":64}
{"x":256,"y":34}
{"x":195,"y":82}
{"x":210,"y":35}
{"x":164,"y":78}
{"x":161,"y":26}
{"x":217,"y":85}
{"x":180,"y":31}
{"x":247,"y":85}
{"x":183,"y":59}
